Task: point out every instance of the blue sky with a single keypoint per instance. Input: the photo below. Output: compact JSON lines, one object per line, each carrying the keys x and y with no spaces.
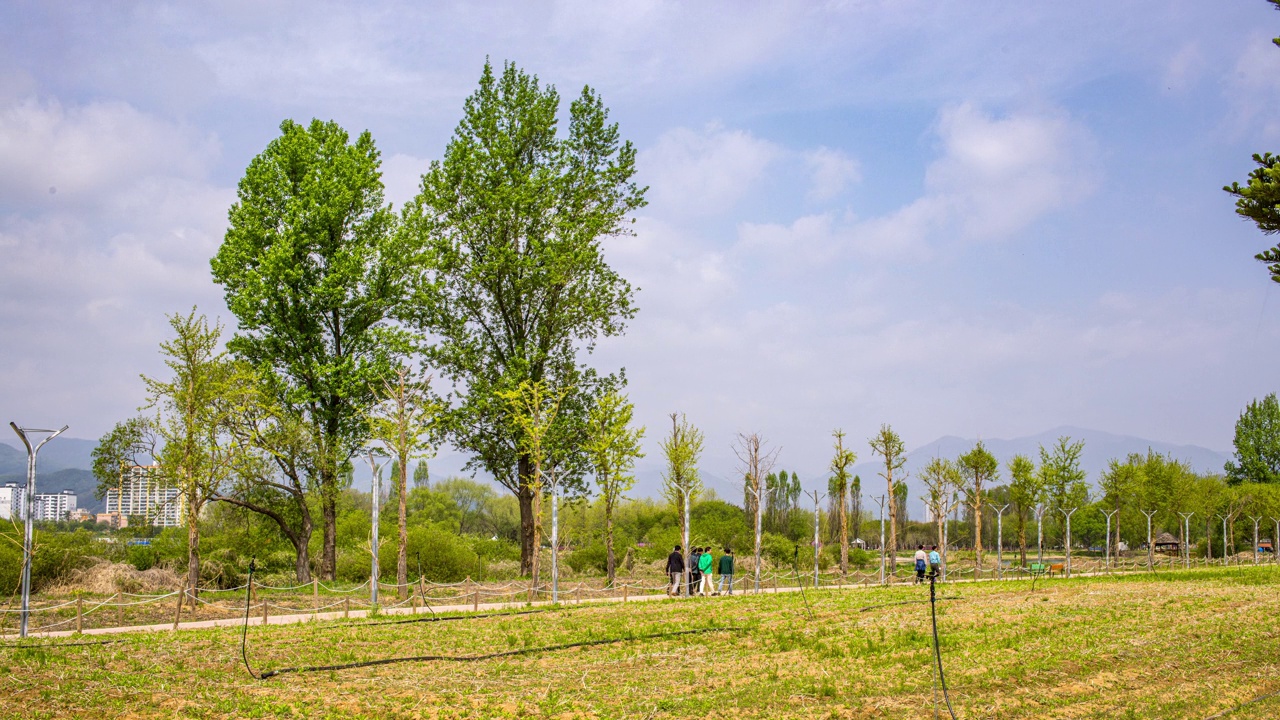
{"x":971,"y":219}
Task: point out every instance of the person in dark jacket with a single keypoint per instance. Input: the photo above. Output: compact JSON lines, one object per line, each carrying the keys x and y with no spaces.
{"x":695,"y":576}
{"x":726,"y":572}
{"x":675,"y":568}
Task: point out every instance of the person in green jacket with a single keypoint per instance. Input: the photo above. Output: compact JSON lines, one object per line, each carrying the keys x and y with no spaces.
{"x":704,"y":569}
{"x":726,"y":572}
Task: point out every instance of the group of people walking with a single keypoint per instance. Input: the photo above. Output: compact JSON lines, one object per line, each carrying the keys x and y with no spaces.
{"x":930,"y":561}
{"x":701,"y":562}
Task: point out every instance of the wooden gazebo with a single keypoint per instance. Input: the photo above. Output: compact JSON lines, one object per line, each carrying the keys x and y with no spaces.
{"x":1167,"y":543}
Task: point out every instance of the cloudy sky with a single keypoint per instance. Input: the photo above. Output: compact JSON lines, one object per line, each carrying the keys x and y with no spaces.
{"x":973,"y":219}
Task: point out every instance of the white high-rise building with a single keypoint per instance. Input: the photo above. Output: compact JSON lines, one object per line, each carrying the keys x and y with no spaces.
{"x":13,"y":500}
{"x":55,"y":506}
{"x":143,"y":493}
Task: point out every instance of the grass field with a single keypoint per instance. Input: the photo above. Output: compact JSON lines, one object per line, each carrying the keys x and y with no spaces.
{"x":1174,"y":645}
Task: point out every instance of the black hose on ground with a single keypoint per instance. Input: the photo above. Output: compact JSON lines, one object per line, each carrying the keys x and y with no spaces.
{"x":487,"y":656}
{"x":795,"y":563}
{"x":937,"y":651}
{"x":244,"y":634}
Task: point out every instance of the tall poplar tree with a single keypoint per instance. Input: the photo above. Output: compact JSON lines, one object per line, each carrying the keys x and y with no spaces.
{"x":843,"y":459}
{"x":509,"y":229}
{"x":311,"y":269}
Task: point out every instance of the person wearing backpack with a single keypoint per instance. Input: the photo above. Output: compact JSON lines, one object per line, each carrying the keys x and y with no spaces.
{"x":704,"y":570}
{"x":726,"y":572}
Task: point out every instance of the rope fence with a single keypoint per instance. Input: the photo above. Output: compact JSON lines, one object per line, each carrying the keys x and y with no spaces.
{"x":124,"y":608}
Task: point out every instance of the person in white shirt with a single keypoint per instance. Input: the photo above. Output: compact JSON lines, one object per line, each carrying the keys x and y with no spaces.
{"x":922,"y":563}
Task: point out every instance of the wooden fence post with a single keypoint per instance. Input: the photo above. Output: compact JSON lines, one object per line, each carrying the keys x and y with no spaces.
{"x":79,"y":615}
{"x":346,"y":607}
{"x":119,"y":609}
{"x":264,"y":611}
{"x":177,"y":613}
{"x":315,"y":597}
{"x":624,"y":591}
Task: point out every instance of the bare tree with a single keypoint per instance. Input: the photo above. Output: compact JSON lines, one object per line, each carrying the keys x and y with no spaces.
{"x":888,"y":445}
{"x":755,"y":462}
{"x":681,"y":482}
{"x":402,"y":420}
{"x":840,"y":478}
{"x":940,"y":479}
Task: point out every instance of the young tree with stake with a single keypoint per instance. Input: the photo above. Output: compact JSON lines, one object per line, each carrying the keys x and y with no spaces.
{"x":755,"y":463}
{"x":533,"y":412}
{"x":888,"y":445}
{"x":839,"y":487}
{"x":403,"y":421}
{"x":978,"y":467}
{"x":613,"y":447}
{"x":1025,"y":492}
{"x":681,"y":483}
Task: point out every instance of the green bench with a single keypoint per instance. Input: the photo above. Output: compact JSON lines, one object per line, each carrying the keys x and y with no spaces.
{"x":1038,"y":568}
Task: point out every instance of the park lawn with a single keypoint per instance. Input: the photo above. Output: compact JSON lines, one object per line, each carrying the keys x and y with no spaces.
{"x":1172,"y":645}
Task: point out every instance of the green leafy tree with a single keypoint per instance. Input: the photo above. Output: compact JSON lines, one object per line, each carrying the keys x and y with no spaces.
{"x":509,"y":230}
{"x":1026,"y":490}
{"x":839,"y":487}
{"x":1257,"y":443}
{"x":978,"y":467}
{"x":193,"y":409}
{"x":1119,"y":484}
{"x":941,"y":479}
{"x":311,"y":269}
{"x":1063,"y":479}
{"x":421,"y":475}
{"x":889,"y":446}
{"x":1258,"y":200}
{"x":613,"y":446}
{"x":403,"y":421}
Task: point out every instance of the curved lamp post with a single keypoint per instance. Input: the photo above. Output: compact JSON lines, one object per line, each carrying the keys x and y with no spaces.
{"x":29,"y":506}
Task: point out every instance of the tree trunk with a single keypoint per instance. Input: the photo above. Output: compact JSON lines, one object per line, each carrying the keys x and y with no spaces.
{"x":844,"y":530}
{"x":329,"y":546}
{"x":892,"y":550}
{"x":977,"y":536}
{"x":193,"y":544}
{"x":402,"y":557}
{"x":1022,"y":538}
{"x":610,"y":562}
{"x":525,"y":497}
{"x":535,"y":489}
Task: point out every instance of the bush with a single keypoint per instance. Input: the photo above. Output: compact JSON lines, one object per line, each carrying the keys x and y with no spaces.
{"x":141,"y":557}
{"x":862,"y":559}
{"x":591,"y":558}
{"x":56,"y":555}
{"x":442,"y":556}
{"x":777,"y":549}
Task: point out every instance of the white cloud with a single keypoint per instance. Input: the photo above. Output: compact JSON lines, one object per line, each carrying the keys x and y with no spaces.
{"x":832,"y":171}
{"x":90,"y":271}
{"x":1253,"y":86}
{"x":693,"y":172}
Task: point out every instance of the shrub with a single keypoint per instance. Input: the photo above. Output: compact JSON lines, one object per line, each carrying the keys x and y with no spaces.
{"x":444,"y":556}
{"x":590,"y":558}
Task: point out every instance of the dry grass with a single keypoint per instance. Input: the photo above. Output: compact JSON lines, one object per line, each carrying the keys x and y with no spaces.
{"x":1179,"y":645}
{"x":105,"y":577}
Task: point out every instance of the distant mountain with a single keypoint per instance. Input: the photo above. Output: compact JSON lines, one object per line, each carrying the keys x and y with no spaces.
{"x":59,"y":453}
{"x":63,"y":464}
{"x":1099,"y":448}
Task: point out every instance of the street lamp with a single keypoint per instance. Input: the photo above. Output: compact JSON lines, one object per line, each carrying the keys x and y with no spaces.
{"x":376,"y":484}
{"x":29,"y":505}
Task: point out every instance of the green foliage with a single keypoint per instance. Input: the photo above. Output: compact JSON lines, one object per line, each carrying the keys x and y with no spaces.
{"x":778,"y":549}
{"x":1257,"y":443}
{"x":508,"y":232}
{"x":445,"y":556}
{"x":1259,"y":201}
{"x":1061,"y":476}
{"x":590,"y":558}
{"x":312,"y":271}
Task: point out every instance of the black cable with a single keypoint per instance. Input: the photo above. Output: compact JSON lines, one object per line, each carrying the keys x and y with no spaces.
{"x":489,"y":656}
{"x":445,"y":618}
{"x":869,"y":608}
{"x":795,"y":563}
{"x":58,"y":645}
{"x":937,"y":651}
{"x":248,"y":589}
